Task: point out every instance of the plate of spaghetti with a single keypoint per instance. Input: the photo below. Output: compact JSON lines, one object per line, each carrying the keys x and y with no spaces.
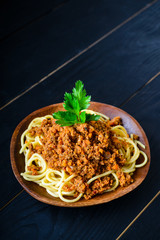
{"x":79,"y":153}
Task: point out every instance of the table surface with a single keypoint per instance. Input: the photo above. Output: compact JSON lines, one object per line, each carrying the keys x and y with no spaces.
{"x":114,"y":48}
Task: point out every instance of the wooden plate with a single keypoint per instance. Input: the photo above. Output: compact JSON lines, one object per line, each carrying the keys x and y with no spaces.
{"x":17,"y":160}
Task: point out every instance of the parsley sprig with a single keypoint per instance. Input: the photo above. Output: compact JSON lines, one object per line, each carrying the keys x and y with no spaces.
{"x":74,"y":103}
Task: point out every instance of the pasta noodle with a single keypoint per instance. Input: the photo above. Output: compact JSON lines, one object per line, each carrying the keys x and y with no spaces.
{"x":54,"y":181}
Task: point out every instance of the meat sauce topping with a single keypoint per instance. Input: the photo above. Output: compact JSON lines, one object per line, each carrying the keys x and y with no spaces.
{"x":86,"y":150}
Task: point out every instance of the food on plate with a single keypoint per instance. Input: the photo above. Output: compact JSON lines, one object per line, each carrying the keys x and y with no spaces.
{"x":79,"y":152}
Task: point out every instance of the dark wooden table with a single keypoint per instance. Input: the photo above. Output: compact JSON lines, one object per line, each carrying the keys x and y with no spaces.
{"x":114,"y":48}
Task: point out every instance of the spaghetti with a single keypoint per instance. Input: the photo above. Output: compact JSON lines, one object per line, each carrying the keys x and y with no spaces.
{"x":60,"y":182}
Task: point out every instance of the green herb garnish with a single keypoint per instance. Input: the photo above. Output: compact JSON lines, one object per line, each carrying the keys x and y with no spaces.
{"x":74,"y":103}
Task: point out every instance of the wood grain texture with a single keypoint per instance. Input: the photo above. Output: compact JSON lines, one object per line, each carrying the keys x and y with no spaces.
{"x":148,"y":224}
{"x":18,"y":166}
{"x":18,"y":14}
{"x":110,"y":74}
{"x":23,"y":217}
{"x":35,"y":51}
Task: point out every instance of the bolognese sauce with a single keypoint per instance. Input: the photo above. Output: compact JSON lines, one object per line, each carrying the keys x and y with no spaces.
{"x":85,"y":150}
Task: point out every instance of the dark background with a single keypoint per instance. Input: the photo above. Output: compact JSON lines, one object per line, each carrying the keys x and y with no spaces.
{"x":114,"y":48}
